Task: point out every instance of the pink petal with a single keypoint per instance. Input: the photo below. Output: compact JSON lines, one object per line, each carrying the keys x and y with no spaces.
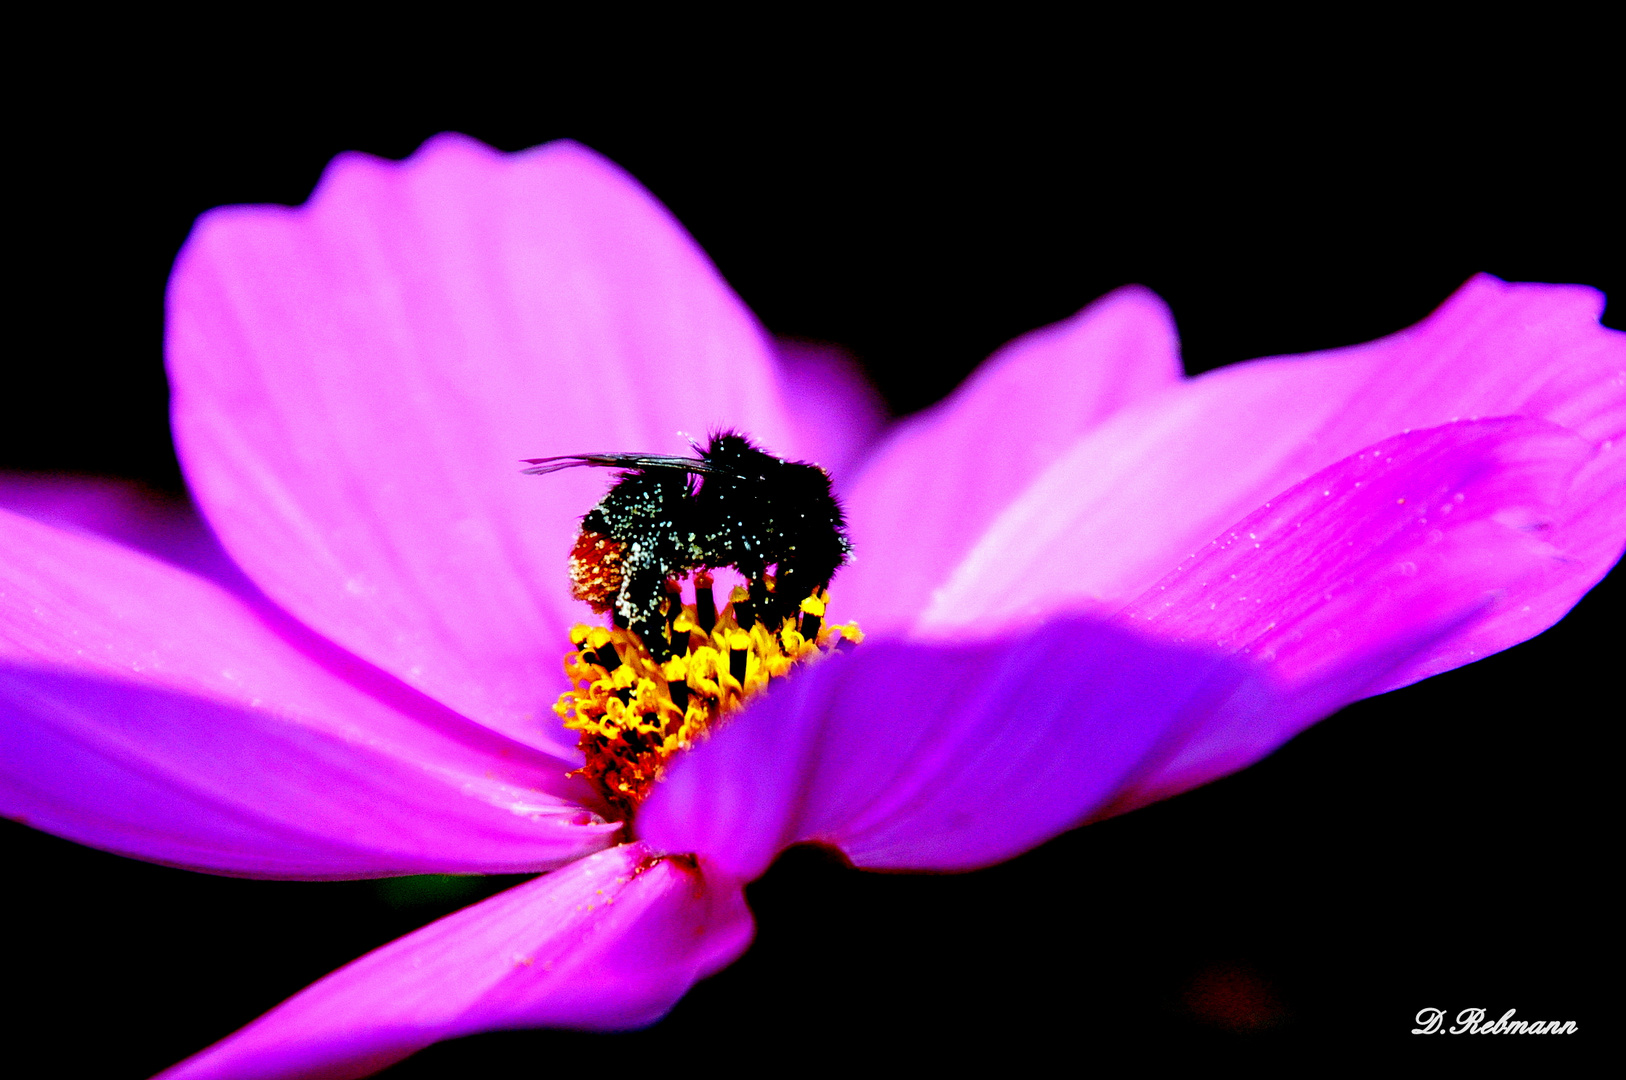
{"x":610,"y":942}
{"x":1419,"y":554}
{"x":908,"y":755}
{"x":123,"y":511}
{"x":1135,"y":497}
{"x":356,"y":381}
{"x":942,"y":478}
{"x":834,"y":411}
{"x":149,"y":712}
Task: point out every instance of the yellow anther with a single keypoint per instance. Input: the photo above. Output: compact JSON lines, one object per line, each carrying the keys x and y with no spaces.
{"x":844,"y":631}
{"x":633,"y":719}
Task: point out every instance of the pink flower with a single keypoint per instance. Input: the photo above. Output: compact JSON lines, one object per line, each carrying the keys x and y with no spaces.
{"x":1088,"y":583}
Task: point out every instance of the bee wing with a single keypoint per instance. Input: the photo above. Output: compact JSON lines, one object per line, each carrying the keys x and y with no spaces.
{"x":543,"y":466}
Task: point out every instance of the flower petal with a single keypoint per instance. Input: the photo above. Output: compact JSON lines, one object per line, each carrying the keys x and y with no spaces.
{"x":148,"y":712}
{"x":125,"y":512}
{"x":355,"y":383}
{"x":610,"y":942}
{"x":1135,"y":497}
{"x":834,"y":411}
{"x":941,"y":478}
{"x":1420,"y":554}
{"x":1406,"y":558}
{"x":907,"y":755}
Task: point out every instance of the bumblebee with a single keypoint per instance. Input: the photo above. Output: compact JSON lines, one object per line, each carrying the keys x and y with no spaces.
{"x":775,"y":521}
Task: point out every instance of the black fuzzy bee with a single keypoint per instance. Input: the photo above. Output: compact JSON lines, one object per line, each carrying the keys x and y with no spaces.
{"x":734,"y":505}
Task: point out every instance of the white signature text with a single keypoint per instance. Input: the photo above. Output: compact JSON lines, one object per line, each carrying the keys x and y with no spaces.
{"x":1472,"y":1022}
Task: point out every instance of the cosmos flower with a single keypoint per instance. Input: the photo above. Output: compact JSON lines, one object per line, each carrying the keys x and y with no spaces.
{"x":1087,"y":582}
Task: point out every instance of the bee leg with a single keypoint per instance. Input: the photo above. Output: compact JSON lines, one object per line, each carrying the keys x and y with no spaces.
{"x":789,"y":590}
{"x":674,"y":608}
{"x":652,"y":631}
{"x":756,"y":586}
{"x":640,"y":607}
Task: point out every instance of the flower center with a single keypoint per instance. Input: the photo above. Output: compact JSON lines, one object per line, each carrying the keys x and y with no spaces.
{"x":635,"y":714}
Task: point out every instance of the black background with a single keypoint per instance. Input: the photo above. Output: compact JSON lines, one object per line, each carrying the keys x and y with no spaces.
{"x":1440,"y":846}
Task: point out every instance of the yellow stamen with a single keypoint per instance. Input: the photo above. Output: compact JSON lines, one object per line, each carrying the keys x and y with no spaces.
{"x":622,"y":703}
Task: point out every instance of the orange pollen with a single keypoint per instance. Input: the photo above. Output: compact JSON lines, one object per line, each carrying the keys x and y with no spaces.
{"x":595,"y":569}
{"x":634,"y":716}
